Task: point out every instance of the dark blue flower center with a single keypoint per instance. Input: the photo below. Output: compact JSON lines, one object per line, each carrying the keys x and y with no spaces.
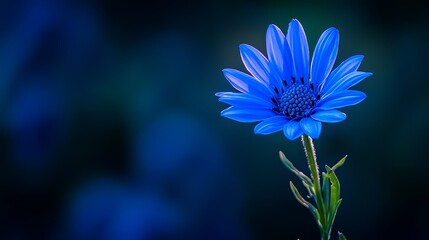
{"x":296,"y":100}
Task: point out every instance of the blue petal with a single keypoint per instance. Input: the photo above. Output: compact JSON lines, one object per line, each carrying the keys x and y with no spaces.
{"x":329,"y":116}
{"x":271,"y":125}
{"x":299,"y":48}
{"x":341,"y":99}
{"x":258,"y":66}
{"x":347,"y":81}
{"x":245,"y":83}
{"x":346,"y":67}
{"x":244,"y":100}
{"x":292,"y":130}
{"x":324,"y":55}
{"x":279,"y":52}
{"x":311,"y":127}
{"x":247,"y":115}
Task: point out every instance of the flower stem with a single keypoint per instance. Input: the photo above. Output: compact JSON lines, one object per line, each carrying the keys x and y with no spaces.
{"x":310,"y":152}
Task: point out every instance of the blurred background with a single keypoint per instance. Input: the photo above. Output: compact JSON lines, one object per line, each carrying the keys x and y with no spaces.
{"x":110,"y":128}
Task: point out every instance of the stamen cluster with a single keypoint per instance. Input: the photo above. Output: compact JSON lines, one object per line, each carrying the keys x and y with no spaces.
{"x":296,"y":100}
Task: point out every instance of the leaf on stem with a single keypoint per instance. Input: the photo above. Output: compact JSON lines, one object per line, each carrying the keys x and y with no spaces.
{"x":298,"y":173}
{"x":310,"y":189}
{"x":335,"y":195}
{"x":341,"y":236}
{"x":325,"y":190}
{"x":339,"y":163}
{"x":305,"y":203}
{"x":334,"y":180}
{"x":334,"y":213}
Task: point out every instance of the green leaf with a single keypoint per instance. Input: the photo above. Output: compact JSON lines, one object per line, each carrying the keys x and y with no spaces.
{"x":310,"y":189}
{"x":325,"y":190}
{"x":339,"y":163}
{"x":305,"y":203}
{"x":335,"y":196}
{"x":335,"y":183}
{"x":299,"y":197}
{"x":333,"y":214}
{"x":341,"y":236}
{"x":286,"y":161}
{"x":298,"y":173}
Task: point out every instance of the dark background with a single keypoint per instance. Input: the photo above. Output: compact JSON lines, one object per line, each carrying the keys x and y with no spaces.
{"x":110,"y":128}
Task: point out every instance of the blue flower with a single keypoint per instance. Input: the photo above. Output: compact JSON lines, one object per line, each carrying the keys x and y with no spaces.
{"x":287,"y":92}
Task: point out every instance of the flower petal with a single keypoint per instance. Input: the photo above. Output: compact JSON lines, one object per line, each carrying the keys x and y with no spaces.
{"x":346,"y":67}
{"x":299,"y":48}
{"x":247,"y":115}
{"x":279,"y":52}
{"x":341,"y":99}
{"x":271,"y":125}
{"x":311,"y":127}
{"x":347,"y":81}
{"x":324,"y":55}
{"x":329,"y":116}
{"x":258,"y":66}
{"x":242,"y":100}
{"x":292,"y":130}
{"x":245,"y":83}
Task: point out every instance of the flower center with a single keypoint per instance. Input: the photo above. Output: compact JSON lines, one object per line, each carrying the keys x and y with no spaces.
{"x":296,"y":101}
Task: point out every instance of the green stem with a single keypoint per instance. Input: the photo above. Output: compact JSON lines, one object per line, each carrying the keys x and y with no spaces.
{"x":310,"y":152}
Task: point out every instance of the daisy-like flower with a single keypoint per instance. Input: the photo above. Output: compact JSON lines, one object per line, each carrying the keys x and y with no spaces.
{"x":287,"y":92}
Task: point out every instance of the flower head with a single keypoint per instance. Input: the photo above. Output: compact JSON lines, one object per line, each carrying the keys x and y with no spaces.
{"x":288,"y":92}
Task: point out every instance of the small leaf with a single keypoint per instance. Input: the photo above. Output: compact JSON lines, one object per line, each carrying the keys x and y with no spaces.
{"x":335,"y":196}
{"x":339,"y":163}
{"x":335,"y":186}
{"x":306,"y":204}
{"x":298,"y":173}
{"x":309,"y":189}
{"x":305,"y":179}
{"x":333,"y":214}
{"x":325,"y":190}
{"x":299,"y":197}
{"x":286,"y":161}
{"x":341,"y":236}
